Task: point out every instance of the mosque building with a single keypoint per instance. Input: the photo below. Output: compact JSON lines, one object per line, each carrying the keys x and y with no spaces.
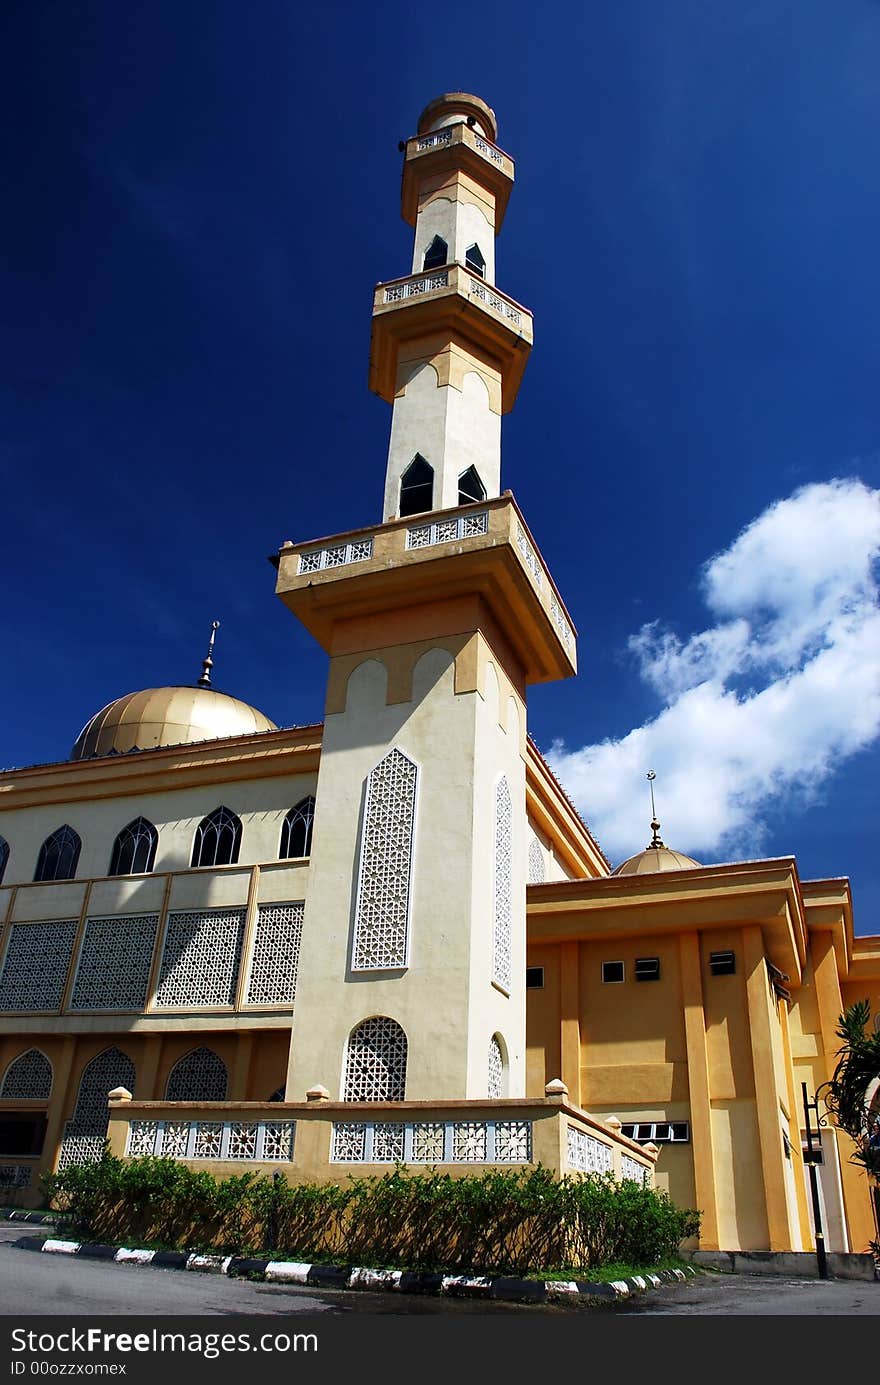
{"x":390,"y":936}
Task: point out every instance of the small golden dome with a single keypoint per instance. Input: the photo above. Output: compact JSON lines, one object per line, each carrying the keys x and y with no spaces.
{"x":166,"y":716}
{"x":656,"y":856}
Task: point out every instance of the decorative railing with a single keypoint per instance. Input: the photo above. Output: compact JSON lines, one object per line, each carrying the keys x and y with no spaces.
{"x":431,"y":1142}
{"x":495,"y":302}
{"x":488,"y":150}
{"x":586,"y":1154}
{"x":633,"y":1170}
{"x":530,"y":558}
{"x":413,"y":288}
{"x":256,"y":1141}
{"x":438,"y":137}
{"x":466,"y":526}
{"x":15,"y":1176}
{"x":338,"y":555}
{"x":560,"y":622}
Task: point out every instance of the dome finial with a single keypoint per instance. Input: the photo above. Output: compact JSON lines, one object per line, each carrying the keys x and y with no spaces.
{"x":208,"y":662}
{"x":656,"y":839}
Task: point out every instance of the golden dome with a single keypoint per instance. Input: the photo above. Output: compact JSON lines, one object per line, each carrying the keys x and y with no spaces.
{"x":166,"y":716}
{"x":655,"y":857}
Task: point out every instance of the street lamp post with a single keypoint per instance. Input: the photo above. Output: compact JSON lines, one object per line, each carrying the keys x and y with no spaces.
{"x":812,"y":1156}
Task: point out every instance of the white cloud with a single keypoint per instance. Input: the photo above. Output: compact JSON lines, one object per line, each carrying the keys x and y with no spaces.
{"x":763,"y":704}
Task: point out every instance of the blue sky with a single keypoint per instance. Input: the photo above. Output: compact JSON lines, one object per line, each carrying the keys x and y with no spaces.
{"x":199,"y":200}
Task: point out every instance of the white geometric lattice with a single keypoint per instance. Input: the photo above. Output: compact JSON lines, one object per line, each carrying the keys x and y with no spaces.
{"x":28,"y":1077}
{"x":349,"y":1143}
{"x":536,"y":863}
{"x":242,"y":1140}
{"x":427,"y":1143}
{"x":633,"y":1170}
{"x":142,"y":1138}
{"x":513,"y":1142}
{"x":382,"y":912}
{"x":198,"y":1076}
{"x":276,"y":954}
{"x":278,"y":1141}
{"x":209,"y":1138}
{"x":388,"y":1143}
{"x":375,"y":1062}
{"x":86,"y":1131}
{"x":175,"y":1138}
{"x":469,"y":1141}
{"x":15,"y":1175}
{"x":501,"y":931}
{"x":200,"y":958}
{"x":114,"y":963}
{"x":587,"y":1154}
{"x":36,"y":964}
{"x":496,"y":1068}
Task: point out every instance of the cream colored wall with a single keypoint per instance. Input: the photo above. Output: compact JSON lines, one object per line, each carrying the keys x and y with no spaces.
{"x":452,"y":428}
{"x":742,"y":1216}
{"x":443,"y":1000}
{"x":461,"y":224}
{"x":260,"y":803}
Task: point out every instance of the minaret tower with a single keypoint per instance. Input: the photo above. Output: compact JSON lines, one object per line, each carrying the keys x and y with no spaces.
{"x":412,"y":964}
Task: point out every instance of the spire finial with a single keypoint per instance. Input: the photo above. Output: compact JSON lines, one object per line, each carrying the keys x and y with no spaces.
{"x":656,"y":839}
{"x":208,"y":662}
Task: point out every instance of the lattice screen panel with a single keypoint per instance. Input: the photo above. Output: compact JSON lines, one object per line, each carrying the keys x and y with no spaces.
{"x":586,"y":1154}
{"x":375,"y":1065}
{"x":85,"y":1132}
{"x":536,"y":863}
{"x":114,"y":963}
{"x":634,"y":1171}
{"x":383,"y":899}
{"x":275,"y":958}
{"x":201,"y":957}
{"x":28,"y":1077}
{"x":198,"y":1076}
{"x":502,"y":907}
{"x":496,"y":1069}
{"x":35,"y":966}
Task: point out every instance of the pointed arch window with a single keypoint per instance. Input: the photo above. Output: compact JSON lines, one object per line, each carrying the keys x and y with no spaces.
{"x":28,"y":1078}
{"x":4,"y":857}
{"x":436,"y":254}
{"x":473,"y":258}
{"x":199,"y":1075}
{"x":417,"y":487}
{"x":218,"y":838}
{"x":59,"y":855}
{"x":471,"y":490}
{"x":86,"y":1131}
{"x":381,"y":922}
{"x":496,"y":1068}
{"x":134,"y":850}
{"x":375,"y":1061}
{"x":296,"y":830}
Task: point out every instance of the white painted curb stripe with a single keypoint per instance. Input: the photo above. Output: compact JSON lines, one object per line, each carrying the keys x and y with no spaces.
{"x":562,"y":1286}
{"x":362,"y":1278}
{"x":620,"y":1286}
{"x":463,"y":1281}
{"x":208,"y":1264}
{"x":125,"y":1256}
{"x":638,"y":1281}
{"x":288,"y":1270}
{"x":61,"y":1247}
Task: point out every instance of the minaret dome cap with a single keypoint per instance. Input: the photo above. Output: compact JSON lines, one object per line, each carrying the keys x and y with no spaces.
{"x":453,"y":107}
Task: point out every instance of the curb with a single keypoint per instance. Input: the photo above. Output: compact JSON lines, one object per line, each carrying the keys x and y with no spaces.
{"x":359,"y":1277}
{"x":35,"y":1218}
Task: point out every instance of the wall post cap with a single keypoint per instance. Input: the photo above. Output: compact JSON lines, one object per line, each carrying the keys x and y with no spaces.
{"x":612,"y":1123}
{"x":651,"y":1149}
{"x":556,"y":1088}
{"x":119,"y":1094}
{"x":317,"y":1093}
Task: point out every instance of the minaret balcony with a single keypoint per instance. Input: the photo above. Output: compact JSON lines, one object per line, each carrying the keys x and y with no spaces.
{"x":449,"y":148}
{"x":449,"y":299}
{"x":457,"y":565}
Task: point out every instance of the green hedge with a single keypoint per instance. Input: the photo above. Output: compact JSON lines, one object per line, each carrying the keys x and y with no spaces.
{"x":511,"y":1222}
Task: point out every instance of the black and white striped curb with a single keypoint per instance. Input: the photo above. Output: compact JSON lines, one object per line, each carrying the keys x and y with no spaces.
{"x":358,"y":1277}
{"x":35,"y":1218}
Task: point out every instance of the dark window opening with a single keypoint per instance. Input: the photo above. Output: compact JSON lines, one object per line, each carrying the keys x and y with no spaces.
{"x":4,"y":857}
{"x":296,"y":830}
{"x":436,"y":254}
{"x":416,"y":487}
{"x":218,"y":838}
{"x":59,"y":855}
{"x":534,"y":978}
{"x":612,"y":972}
{"x":657,"y":1132}
{"x":134,"y":850}
{"x":471,"y":490}
{"x":22,"y":1134}
{"x":473,"y":258}
{"x":647,"y":968}
{"x":722,"y":963}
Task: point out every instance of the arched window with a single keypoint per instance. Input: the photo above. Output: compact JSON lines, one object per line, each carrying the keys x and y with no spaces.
{"x":473,"y":258}
{"x":198,"y":1076}
{"x":296,"y":830}
{"x":28,"y":1077}
{"x":86,"y":1131}
{"x":59,"y":855}
{"x":134,"y":850}
{"x":375,"y":1061}
{"x":278,"y":1094}
{"x":536,"y":863}
{"x":416,"y":487}
{"x":501,"y":942}
{"x":4,"y":856}
{"x":436,"y":254}
{"x":496,"y":1068}
{"x":470,"y":488}
{"x":218,"y":837}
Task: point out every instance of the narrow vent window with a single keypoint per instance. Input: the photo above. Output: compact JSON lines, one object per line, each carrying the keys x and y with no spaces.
{"x":612,"y":972}
{"x":647,"y":968}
